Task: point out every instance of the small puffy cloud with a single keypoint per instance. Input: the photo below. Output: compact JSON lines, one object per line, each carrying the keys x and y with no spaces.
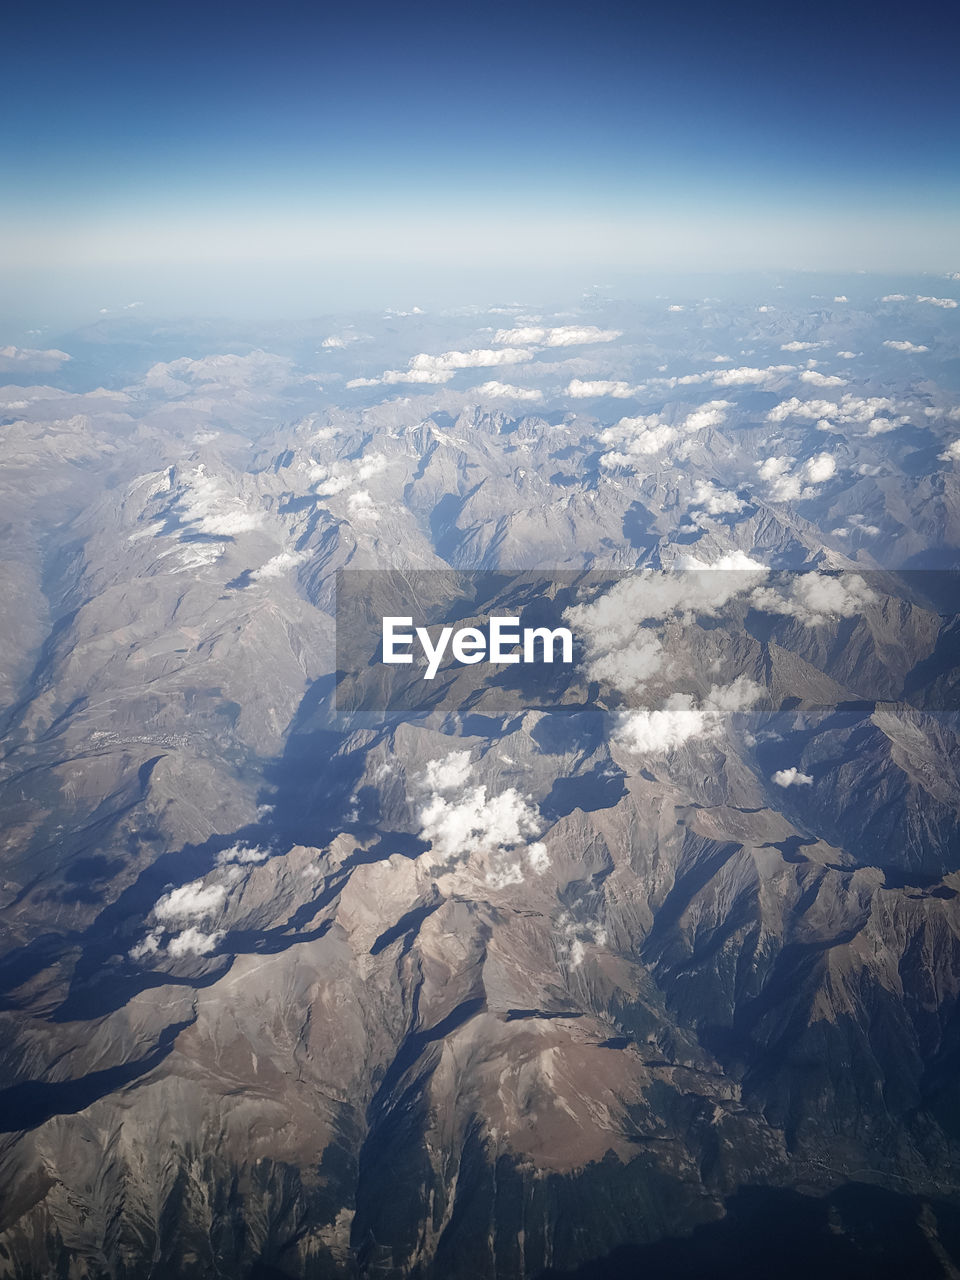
{"x":464,"y":823}
{"x":791,"y":777}
{"x":150,"y":946}
{"x":579,"y":389}
{"x":948,"y":304}
{"x":567,"y":335}
{"x":361,"y":506}
{"x":714,"y":500}
{"x":902,"y":344}
{"x":711,"y":414}
{"x":894,"y":297}
{"x":747,"y":376}
{"x":800,"y":346}
{"x":337,"y":341}
{"x":626,"y":667}
{"x":632,"y":440}
{"x":851,"y":410}
{"x":730,"y":561}
{"x":821,"y":379}
{"x":193,"y":942}
{"x":951,"y":453}
{"x":841,"y":297}
{"x":574,"y":938}
{"x":476,"y":359}
{"x":857,"y":524}
{"x":777,"y":472}
{"x":278,"y":565}
{"x":241,"y":855}
{"x":345,"y":474}
{"x":816,"y":598}
{"x":682,"y":719}
{"x":504,"y":391}
{"x":622,"y":648}
{"x":450,"y":773}
{"x":194,"y":900}
{"x":15,"y":359}
{"x":787,"y":484}
{"x":675,"y":307}
{"x":847,"y":355}
{"x":210,"y":506}
{"x":819,"y":468}
{"x":880,"y":426}
{"x":434,"y":370}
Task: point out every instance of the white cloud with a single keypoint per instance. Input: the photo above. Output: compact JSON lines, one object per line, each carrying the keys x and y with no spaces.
{"x":241,"y":854}
{"x":581,"y":390}
{"x":675,"y":307}
{"x":14,"y":359}
{"x":682,"y":719}
{"x":464,"y":823}
{"x":841,"y":297}
{"x":894,"y":297}
{"x":211,"y":507}
{"x":816,"y":598}
{"x":190,"y":900}
{"x":568,"y":335}
{"x":633,"y":439}
{"x":800,"y":346}
{"x":192,"y":942}
{"x":792,"y":777}
{"x":789,"y":485}
{"x":730,"y":561}
{"x":450,"y":773}
{"x":622,"y":649}
{"x":951,"y":453}
{"x":150,"y":946}
{"x":476,"y":359}
{"x":345,"y":474}
{"x":711,"y":414}
{"x":714,"y":500}
{"x":475,"y":823}
{"x":821,"y":379}
{"x":576,"y":936}
{"x":361,"y":506}
{"x":819,"y":468}
{"x":278,"y":565}
{"x":337,"y":341}
{"x":847,"y":355}
{"x":948,"y":304}
{"x":434,"y":370}
{"x":851,"y":410}
{"x":901,"y":344}
{"x":745,"y":376}
{"x":880,"y":426}
{"x":504,"y":390}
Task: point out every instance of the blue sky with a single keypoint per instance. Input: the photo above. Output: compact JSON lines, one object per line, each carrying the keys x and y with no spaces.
{"x":175,"y":137}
